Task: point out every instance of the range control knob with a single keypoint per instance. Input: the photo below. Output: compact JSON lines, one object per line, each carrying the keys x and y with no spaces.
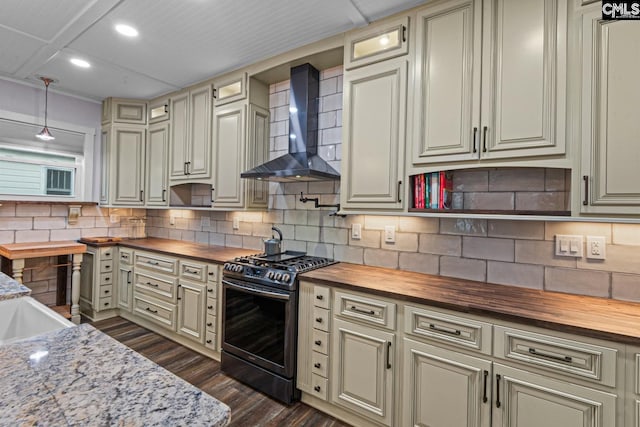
{"x":226,"y":266}
{"x":269,"y":275}
{"x":238,"y":268}
{"x":278,"y":276}
{"x":286,"y":277}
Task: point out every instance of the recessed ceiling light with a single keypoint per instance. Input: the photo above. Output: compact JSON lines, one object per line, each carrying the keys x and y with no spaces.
{"x":80,"y":63}
{"x":126,"y":30}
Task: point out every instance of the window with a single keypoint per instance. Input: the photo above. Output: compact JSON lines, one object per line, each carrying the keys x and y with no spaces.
{"x":60,"y":181}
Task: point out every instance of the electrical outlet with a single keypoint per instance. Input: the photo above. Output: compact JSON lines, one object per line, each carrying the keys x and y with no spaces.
{"x":114,"y":219}
{"x":172,"y":220}
{"x":569,"y":245}
{"x":205,"y":221}
{"x":389,"y":234}
{"x":356,"y":231}
{"x":236,"y":223}
{"x":596,"y":247}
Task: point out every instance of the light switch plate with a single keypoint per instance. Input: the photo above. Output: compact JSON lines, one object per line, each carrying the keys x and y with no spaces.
{"x":236,"y":223}
{"x":389,"y":234}
{"x":356,"y":231}
{"x":596,"y":247}
{"x":205,"y":221}
{"x":569,"y":245}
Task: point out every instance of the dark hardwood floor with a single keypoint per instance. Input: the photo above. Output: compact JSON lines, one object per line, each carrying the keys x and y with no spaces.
{"x":248,"y":407}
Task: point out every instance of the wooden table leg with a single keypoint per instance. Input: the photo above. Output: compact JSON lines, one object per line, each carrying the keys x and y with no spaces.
{"x":18,"y":268}
{"x":75,"y":289}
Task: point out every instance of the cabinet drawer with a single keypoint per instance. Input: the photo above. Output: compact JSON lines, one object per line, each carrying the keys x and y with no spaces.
{"x":156,"y":311}
{"x":448,"y":328}
{"x":321,"y":319}
{"x":158,"y":286}
{"x":125,"y":256}
{"x":560,"y":355}
{"x":106,"y":266}
{"x":211,"y":322}
{"x":106,"y":254}
{"x":212,"y":306}
{"x":321,"y":296}
{"x":156,"y":263}
{"x":193,"y":271}
{"x":319,"y":386}
{"x":369,"y":310}
{"x":211,"y":291}
{"x":210,"y":340}
{"x":106,"y":291}
{"x":105,"y":303}
{"x":212,"y":273}
{"x":320,"y":341}
{"x":106,"y":278}
{"x":320,"y":364}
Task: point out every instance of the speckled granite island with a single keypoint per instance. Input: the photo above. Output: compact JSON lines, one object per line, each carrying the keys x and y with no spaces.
{"x":80,"y":376}
{"x":10,"y":288}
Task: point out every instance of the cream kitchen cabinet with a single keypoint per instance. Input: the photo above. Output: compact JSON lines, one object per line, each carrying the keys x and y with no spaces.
{"x":230,"y":89}
{"x":385,"y":40}
{"x":125,"y":279}
{"x":124,"y":165}
{"x":118,"y":110}
{"x":490,"y":81}
{"x":158,"y":110}
{"x":363,"y":361}
{"x":241,"y":141}
{"x":190,"y":142}
{"x":632,"y":374}
{"x":444,"y":387}
{"x":97,"y":287}
{"x":157,"y":165}
{"x":524,"y":399}
{"x":192,"y":298}
{"x":610,"y":128}
{"x":374,"y":136}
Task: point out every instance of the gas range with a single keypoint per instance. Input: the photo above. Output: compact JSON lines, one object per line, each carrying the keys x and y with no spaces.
{"x":279,"y":270}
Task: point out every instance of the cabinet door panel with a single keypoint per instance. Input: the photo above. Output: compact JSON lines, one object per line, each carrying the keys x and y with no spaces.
{"x":258,"y":153}
{"x":531,"y":400}
{"x":199,"y":133}
{"x":361,"y":379}
{"x":125,"y":288}
{"x":179,"y":135}
{"x":230,"y":136}
{"x":525,"y":73}
{"x":445,"y":388}
{"x":157,"y":164}
{"x":448,"y":58}
{"x":128,"y":155}
{"x":191,"y":310}
{"x":105,"y":145}
{"x":611,"y":111}
{"x":374,"y":130}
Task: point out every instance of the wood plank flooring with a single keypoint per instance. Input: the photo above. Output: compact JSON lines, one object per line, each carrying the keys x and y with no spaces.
{"x":248,"y":407}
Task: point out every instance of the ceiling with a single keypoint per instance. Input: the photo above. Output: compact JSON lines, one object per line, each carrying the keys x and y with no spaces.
{"x":180,"y":42}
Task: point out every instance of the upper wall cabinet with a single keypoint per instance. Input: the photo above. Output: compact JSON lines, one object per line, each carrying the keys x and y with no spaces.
{"x":116,"y":110}
{"x":190,"y":142}
{"x":374,"y":135}
{"x":490,"y":80}
{"x":158,"y":110}
{"x":376,"y":43}
{"x":610,"y":125}
{"x":123,"y":165}
{"x":230,"y":89}
{"x":241,"y":141}
{"x":157,"y":161}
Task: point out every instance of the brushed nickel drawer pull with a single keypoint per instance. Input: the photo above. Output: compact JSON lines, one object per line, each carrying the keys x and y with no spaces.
{"x":443,"y":330}
{"x":359,"y":310}
{"x":565,"y":359}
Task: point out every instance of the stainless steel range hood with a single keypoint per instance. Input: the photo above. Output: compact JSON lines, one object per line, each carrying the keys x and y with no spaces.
{"x":302,"y":162}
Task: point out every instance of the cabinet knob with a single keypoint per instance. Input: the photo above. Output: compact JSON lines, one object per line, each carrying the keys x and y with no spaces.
{"x":210,"y":307}
{"x":208,"y":341}
{"x":317,"y":365}
{"x":319,"y":319}
{"x":209,"y":324}
{"x":317,"y":388}
{"x":319,"y":297}
{"x":318,"y":342}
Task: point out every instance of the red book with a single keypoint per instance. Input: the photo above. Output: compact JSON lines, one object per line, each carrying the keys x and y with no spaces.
{"x":446,"y":189}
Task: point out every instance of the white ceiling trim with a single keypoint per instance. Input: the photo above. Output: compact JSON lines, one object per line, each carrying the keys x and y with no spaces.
{"x":354,"y":14}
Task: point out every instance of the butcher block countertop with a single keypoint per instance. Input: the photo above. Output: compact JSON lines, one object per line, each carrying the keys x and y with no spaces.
{"x":41,"y":249}
{"x":198,"y":251}
{"x":589,"y":316}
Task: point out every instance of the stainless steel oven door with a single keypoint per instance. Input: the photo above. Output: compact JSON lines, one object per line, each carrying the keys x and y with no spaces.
{"x":259,"y":325}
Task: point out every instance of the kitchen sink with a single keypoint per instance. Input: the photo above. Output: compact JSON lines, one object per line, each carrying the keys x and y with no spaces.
{"x":25,"y":317}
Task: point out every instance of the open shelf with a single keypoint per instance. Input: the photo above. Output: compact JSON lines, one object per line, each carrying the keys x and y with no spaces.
{"x":490,"y":212}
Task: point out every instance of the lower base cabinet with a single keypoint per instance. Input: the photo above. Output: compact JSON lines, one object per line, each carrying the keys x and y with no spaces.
{"x":443,"y":388}
{"x":525,"y":399}
{"x":191,"y":310}
{"x":363,"y":370}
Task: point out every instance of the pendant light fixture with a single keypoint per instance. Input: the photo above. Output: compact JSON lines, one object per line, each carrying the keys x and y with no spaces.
{"x":44,"y":134}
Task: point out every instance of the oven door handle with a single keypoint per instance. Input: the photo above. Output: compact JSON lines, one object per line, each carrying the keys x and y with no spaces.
{"x":258,"y":292}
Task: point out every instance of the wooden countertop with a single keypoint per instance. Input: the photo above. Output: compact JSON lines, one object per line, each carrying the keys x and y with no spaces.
{"x":589,"y":316}
{"x":41,"y":249}
{"x":198,"y":251}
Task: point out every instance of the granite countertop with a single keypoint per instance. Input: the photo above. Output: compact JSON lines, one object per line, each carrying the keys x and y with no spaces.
{"x":80,"y":376}
{"x":9,"y":288}
{"x":589,"y":316}
{"x":198,"y":251}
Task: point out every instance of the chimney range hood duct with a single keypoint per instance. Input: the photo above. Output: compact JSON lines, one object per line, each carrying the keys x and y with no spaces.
{"x":302,"y":162}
